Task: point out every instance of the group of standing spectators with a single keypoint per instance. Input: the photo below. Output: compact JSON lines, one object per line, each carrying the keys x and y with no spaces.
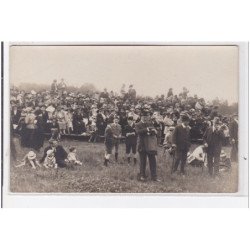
{"x":126,"y":115}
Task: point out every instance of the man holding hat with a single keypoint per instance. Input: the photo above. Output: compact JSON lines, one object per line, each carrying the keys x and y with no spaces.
{"x":213,"y":139}
{"x":181,"y":143}
{"x":147,"y":145}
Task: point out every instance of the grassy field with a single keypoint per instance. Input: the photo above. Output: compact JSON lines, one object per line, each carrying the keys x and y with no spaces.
{"x":93,"y":177}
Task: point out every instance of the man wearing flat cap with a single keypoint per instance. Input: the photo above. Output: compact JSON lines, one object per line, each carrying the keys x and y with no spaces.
{"x":181,"y":143}
{"x":213,"y":140}
{"x":147,"y":145}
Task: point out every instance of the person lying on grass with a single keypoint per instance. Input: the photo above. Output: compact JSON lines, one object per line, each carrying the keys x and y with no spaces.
{"x":29,"y":160}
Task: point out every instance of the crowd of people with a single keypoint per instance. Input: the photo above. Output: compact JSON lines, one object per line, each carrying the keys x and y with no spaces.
{"x":115,"y":116}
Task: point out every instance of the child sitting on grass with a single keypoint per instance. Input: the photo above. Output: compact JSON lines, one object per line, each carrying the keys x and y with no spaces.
{"x":50,"y":160}
{"x":29,"y":159}
{"x":72,"y":157}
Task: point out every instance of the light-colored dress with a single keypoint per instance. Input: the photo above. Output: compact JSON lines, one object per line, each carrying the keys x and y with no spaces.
{"x":61,"y":120}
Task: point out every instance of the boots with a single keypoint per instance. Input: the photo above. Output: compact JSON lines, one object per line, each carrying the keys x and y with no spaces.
{"x":116,"y":157}
{"x":105,"y":162}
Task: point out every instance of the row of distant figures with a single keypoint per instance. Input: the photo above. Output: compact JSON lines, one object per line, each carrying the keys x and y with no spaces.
{"x":225,"y":162}
{"x":100,"y":138}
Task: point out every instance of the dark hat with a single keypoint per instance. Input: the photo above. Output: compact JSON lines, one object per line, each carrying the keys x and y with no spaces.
{"x":185,"y":118}
{"x":51,"y":141}
{"x":217,"y":121}
{"x":145,"y":112}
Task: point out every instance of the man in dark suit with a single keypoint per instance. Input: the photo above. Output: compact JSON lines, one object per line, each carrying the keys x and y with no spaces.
{"x":233,"y":130}
{"x":181,"y":143}
{"x":147,"y":145}
{"x":15,"y":115}
{"x":60,"y":153}
{"x":213,"y":140}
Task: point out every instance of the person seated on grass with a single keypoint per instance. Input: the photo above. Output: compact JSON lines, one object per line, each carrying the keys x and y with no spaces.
{"x":72,"y":157}
{"x":30,"y":160}
{"x":225,"y":160}
{"x":60,"y":153}
{"x":50,"y":160}
{"x":197,"y":157}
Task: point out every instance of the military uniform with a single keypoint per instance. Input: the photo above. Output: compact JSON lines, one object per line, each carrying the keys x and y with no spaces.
{"x":130,"y":141}
{"x":116,"y":131}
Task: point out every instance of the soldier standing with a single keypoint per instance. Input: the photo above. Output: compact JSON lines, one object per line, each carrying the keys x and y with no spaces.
{"x":131,"y":139}
{"x":117,"y":132}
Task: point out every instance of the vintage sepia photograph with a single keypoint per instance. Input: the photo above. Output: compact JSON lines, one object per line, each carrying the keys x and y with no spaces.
{"x":123,"y":118}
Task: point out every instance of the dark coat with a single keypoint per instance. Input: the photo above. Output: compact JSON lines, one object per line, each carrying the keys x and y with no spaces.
{"x":108,"y":137}
{"x":15,"y":117}
{"x":215,"y":140}
{"x":181,"y":138}
{"x":130,"y":139}
{"x":233,"y":130}
{"x":60,"y":153}
{"x":45,"y":116}
{"x":144,"y":139}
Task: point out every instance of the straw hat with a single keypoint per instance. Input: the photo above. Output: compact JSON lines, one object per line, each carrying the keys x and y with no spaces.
{"x":31,"y":155}
{"x":50,"y":152}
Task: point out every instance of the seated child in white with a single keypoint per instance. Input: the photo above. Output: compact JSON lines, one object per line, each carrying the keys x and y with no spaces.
{"x":50,"y":160}
{"x":29,"y":159}
{"x":72,"y":157}
{"x":197,"y":157}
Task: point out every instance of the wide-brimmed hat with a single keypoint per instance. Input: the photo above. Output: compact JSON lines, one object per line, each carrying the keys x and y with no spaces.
{"x":185,"y":118}
{"x":50,"y":152}
{"x":51,"y":141}
{"x":145,"y":112}
{"x":31,"y":155}
{"x":217,"y":121}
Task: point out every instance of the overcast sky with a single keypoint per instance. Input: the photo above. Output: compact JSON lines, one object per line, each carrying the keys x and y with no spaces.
{"x":208,"y":71}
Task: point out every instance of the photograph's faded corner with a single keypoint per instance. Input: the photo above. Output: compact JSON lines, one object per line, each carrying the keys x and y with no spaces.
{"x":125,"y":118}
